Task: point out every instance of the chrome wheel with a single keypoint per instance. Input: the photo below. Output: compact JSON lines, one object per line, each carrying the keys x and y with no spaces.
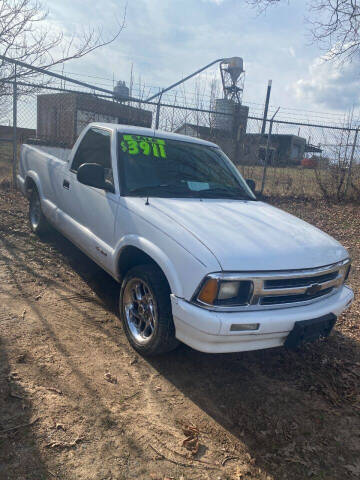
{"x":140,"y":310}
{"x":35,"y":212}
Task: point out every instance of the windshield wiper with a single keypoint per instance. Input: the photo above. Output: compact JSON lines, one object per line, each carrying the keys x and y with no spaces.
{"x":163,"y":188}
{"x":173,"y":189}
{"x":219,"y":192}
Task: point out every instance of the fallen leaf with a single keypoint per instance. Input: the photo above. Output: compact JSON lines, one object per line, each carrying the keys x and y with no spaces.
{"x":110,"y":378}
{"x":191,"y":441}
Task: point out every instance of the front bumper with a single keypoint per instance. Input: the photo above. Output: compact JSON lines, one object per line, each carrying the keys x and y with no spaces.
{"x":209,"y":331}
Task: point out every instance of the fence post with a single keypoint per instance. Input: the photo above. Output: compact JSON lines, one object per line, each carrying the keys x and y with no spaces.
{"x":266,"y":108}
{"x":157,"y":119}
{"x":14,"y":159}
{"x":351,"y":163}
{"x":267,"y":151}
{"x":266,"y":157}
{"x":236,"y":135}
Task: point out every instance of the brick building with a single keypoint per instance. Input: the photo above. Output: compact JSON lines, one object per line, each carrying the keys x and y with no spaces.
{"x":62,"y":116}
{"x":22,"y":134}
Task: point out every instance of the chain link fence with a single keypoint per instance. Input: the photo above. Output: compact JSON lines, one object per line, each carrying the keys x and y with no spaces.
{"x":290,"y":159}
{"x":303,"y":160}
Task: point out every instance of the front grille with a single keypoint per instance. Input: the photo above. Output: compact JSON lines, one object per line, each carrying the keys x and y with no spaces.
{"x":297,"y":286}
{"x":300,"y":282}
{"x":279,"y":299}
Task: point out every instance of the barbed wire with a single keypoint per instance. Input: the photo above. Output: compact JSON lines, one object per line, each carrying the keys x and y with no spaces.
{"x":191,"y":98}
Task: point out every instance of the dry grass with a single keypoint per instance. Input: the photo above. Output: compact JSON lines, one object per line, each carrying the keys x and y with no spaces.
{"x":5,"y":163}
{"x":296,"y":182}
{"x":284,"y":182}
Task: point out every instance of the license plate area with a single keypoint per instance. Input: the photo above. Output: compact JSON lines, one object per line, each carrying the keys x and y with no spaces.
{"x":310,"y":330}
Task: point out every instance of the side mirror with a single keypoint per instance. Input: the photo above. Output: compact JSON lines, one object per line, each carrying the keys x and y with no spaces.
{"x":93,"y":174}
{"x":251,"y":183}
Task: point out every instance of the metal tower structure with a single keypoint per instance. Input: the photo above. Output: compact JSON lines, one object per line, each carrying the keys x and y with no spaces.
{"x":232,"y":77}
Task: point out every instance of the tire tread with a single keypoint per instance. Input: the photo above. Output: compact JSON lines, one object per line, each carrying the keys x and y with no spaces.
{"x":165,"y":340}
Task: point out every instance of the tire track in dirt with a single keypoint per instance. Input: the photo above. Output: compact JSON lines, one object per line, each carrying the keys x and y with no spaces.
{"x":162,"y":415}
{"x":161,"y":419}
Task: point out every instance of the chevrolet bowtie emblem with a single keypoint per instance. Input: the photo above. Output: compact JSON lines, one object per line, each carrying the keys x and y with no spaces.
{"x":313,"y":289}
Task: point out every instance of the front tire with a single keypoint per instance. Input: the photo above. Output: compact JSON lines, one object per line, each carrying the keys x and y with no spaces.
{"x":145,"y":310}
{"x":37,"y":220}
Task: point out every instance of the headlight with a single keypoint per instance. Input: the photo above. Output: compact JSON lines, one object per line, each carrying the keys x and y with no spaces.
{"x":347,"y":272}
{"x":222,"y":292}
{"x":344,"y":271}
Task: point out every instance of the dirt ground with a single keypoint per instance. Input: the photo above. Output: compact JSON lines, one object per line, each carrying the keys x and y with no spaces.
{"x":76,"y":402}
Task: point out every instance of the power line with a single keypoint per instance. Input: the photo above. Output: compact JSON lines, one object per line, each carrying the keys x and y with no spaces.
{"x":319,"y":114}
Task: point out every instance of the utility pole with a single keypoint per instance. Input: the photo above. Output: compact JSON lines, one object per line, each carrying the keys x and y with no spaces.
{"x":267,"y":100}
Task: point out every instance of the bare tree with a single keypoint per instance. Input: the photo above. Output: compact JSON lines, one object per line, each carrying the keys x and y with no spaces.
{"x":334,"y":173}
{"x":334,"y":24}
{"x":26,"y":36}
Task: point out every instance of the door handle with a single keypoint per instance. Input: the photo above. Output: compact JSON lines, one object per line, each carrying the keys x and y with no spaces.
{"x":66,"y":184}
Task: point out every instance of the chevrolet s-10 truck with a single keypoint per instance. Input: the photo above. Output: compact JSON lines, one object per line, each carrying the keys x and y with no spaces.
{"x":198,"y":258}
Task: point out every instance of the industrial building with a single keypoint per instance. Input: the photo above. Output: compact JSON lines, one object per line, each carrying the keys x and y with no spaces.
{"x":228,"y":127}
{"x":284,"y":150}
{"x":228,"y":121}
{"x":62,"y":116}
{"x":7,"y":133}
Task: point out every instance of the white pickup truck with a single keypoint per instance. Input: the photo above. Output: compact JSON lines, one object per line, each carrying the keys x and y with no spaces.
{"x":199,"y":259}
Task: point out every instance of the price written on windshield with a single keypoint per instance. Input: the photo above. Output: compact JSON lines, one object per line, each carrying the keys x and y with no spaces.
{"x":140,"y":145}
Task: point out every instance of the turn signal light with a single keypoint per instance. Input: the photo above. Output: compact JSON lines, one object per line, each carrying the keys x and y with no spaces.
{"x":209,"y":291}
{"x":221,"y":292}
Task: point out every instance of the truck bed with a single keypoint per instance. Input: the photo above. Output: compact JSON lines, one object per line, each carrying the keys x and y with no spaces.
{"x":57,"y":152}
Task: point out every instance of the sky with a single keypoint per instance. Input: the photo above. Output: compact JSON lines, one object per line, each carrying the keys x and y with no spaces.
{"x":165,"y":40}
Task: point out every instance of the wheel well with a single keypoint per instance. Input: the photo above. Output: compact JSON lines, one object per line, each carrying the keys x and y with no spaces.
{"x":131,"y":257}
{"x":30,"y":186}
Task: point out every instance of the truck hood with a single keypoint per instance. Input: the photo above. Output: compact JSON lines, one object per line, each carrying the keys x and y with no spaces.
{"x":251,"y":235}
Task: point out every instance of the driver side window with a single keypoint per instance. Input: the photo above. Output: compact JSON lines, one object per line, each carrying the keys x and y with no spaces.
{"x":95,"y":147}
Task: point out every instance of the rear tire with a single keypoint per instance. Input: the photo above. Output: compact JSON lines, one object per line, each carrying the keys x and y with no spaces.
{"x":37,"y":220}
{"x":145,"y":310}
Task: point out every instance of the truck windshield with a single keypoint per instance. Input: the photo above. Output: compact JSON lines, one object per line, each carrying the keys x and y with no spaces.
{"x":159,"y":167}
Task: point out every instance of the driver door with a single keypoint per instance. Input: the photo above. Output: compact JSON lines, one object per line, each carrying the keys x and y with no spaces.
{"x":92,"y":211}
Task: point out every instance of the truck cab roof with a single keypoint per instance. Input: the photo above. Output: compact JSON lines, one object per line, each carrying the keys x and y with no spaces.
{"x":151,"y":132}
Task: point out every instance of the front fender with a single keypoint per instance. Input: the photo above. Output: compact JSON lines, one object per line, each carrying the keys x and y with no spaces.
{"x":156,"y":254}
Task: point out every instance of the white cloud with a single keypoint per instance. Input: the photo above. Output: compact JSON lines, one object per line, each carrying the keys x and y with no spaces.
{"x":330,"y":85}
{"x":292,"y":52}
{"x":218,"y":2}
{"x":166,"y":41}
